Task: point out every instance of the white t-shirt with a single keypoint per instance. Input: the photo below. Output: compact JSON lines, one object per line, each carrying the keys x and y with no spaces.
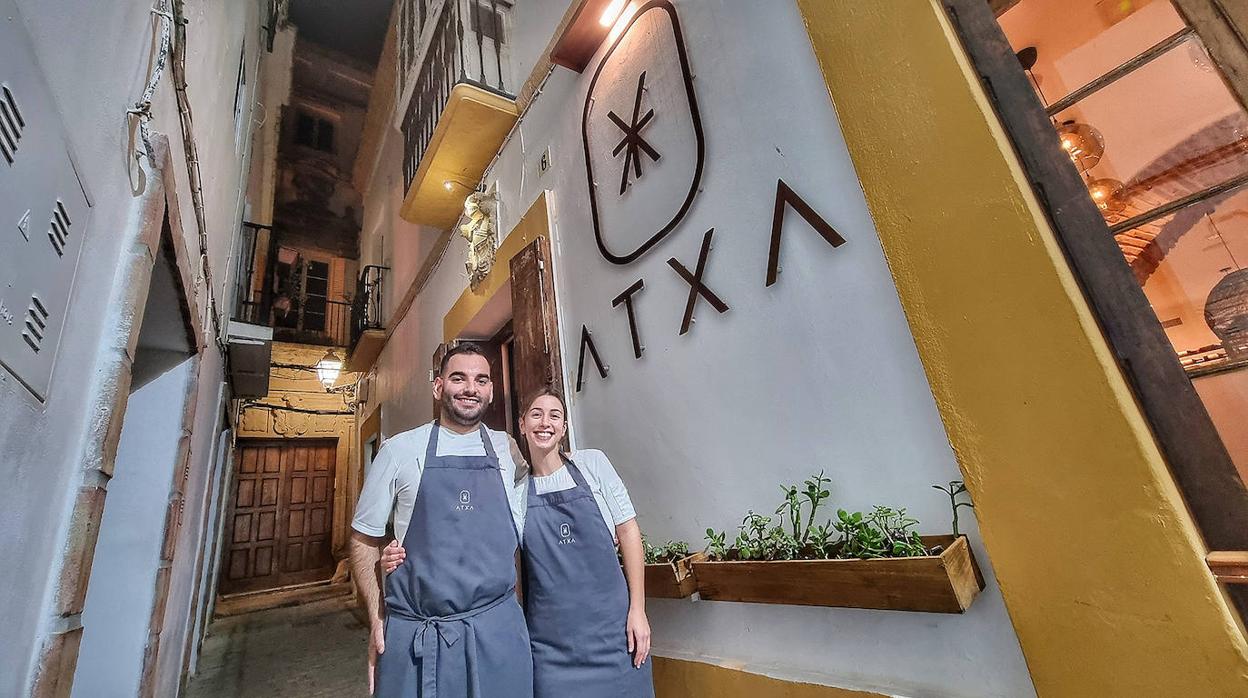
{"x":609,"y":491}
{"x":393,"y":478}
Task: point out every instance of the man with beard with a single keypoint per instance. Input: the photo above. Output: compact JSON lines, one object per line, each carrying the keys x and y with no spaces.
{"x":451,"y":626}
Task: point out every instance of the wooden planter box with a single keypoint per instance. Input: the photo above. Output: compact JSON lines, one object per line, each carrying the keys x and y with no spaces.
{"x":945,"y":583}
{"x":672,"y":580}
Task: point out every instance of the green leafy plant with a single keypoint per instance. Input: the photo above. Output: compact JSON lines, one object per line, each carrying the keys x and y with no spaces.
{"x":955,"y":488}
{"x":780,"y":545}
{"x":751,"y":543}
{"x":884,"y":532}
{"x":899,"y":533}
{"x":858,"y":537}
{"x":809,"y":498}
{"x":716,"y":544}
{"x":671,"y":551}
{"x":821,"y":539}
{"x":797,"y":534}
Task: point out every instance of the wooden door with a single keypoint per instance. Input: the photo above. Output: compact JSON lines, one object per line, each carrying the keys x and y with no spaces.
{"x":282,"y":508}
{"x":534,"y":348}
{"x":495,"y":416}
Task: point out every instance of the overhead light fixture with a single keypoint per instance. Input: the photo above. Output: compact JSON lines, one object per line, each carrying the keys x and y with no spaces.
{"x":328,"y":369}
{"x":612,"y":13}
{"x":450,"y":186}
{"x":588,"y":24}
{"x":1106,"y":193}
{"x":1082,"y":143}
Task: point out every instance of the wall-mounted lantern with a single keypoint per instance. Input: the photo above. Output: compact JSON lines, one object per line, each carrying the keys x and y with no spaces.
{"x":328,"y":369}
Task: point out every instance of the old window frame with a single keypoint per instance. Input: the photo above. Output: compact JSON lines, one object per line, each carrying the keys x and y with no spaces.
{"x":1198,"y":459}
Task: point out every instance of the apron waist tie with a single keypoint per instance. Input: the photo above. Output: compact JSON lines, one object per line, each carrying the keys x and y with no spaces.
{"x":425,"y":645}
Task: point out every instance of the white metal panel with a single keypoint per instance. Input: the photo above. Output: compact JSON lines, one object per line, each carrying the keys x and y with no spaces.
{"x":44,"y":213}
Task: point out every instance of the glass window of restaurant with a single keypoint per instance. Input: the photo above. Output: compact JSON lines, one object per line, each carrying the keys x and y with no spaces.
{"x":1139,"y":105}
{"x":1161,"y":142}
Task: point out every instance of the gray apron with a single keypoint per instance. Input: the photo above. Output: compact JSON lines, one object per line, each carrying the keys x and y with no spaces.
{"x":453,"y":626}
{"x":576,"y":600}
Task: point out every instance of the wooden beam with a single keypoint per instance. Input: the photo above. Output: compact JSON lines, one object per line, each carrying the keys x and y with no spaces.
{"x":1229,"y":566}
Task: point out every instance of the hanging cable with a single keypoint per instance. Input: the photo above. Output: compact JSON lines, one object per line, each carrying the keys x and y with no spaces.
{"x":246,"y":405}
{"x":172,"y":43}
{"x":186,"y":122}
{"x":142,"y":109}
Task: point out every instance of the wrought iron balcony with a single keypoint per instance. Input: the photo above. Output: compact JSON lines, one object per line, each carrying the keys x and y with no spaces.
{"x":282,"y":288}
{"x":458,"y":107}
{"x":367,"y":329}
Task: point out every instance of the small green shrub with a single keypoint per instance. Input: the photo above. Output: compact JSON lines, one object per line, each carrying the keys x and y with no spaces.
{"x":671,"y":551}
{"x":795,"y":535}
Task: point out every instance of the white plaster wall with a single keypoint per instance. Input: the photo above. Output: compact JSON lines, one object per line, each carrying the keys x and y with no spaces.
{"x":273,"y":94}
{"x":119,"y":600}
{"x":95,"y":57}
{"x":192,"y":543}
{"x":816,"y":372}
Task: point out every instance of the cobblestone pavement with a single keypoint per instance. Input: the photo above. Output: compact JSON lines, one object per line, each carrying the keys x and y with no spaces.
{"x":308,"y":651}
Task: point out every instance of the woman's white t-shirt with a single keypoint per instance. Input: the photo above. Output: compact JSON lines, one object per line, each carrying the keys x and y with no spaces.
{"x":608,"y":489}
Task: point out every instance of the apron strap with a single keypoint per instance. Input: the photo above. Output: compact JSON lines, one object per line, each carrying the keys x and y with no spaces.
{"x":432,"y":633}
{"x":431,"y":450}
{"x":577,"y":477}
{"x":488,"y":443}
{"x":580,"y":490}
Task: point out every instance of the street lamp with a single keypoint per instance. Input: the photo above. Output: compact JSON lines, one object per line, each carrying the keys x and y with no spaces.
{"x":328,"y":368}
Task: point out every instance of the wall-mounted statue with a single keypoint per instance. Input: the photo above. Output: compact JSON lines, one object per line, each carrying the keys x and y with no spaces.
{"x":480,"y":232}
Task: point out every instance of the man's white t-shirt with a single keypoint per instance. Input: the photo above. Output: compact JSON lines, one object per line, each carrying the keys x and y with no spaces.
{"x":609,"y":491}
{"x":393,"y":478}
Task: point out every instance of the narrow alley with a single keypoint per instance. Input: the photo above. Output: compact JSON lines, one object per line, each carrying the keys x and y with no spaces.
{"x":307,"y":651}
{"x":691,"y":348}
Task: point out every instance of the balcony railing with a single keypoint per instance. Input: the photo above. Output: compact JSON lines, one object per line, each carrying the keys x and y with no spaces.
{"x":468,"y":45}
{"x":296,"y":306}
{"x":366,"y":309}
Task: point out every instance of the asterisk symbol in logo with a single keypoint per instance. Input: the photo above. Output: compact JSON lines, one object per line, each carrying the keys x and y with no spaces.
{"x":633,"y":144}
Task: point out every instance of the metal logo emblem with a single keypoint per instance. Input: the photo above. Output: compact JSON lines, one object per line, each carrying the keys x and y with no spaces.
{"x":642,"y":136}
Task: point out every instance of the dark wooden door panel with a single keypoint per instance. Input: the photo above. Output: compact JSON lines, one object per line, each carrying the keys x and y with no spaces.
{"x":535,"y":322}
{"x":282,"y":508}
{"x":495,"y":416}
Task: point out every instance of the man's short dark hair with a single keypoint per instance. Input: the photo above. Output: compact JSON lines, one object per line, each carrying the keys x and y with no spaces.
{"x":466,"y":348}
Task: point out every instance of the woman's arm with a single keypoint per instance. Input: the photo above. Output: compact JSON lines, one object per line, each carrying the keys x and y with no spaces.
{"x":629,"y":535}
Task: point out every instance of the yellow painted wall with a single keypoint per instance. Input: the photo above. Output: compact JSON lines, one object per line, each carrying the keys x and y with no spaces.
{"x":677,"y":678}
{"x":299,"y":388}
{"x":1100,"y":565}
{"x":536,"y":222}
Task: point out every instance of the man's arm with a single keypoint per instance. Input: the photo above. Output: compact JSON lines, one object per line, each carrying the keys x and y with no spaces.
{"x":365,"y":553}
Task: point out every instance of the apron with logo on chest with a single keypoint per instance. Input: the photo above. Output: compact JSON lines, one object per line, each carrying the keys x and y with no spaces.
{"x":576,"y":599}
{"x":453,"y":626}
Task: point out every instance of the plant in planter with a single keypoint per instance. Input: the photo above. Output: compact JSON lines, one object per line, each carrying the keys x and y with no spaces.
{"x":670,"y":551}
{"x":669,"y":570}
{"x":884,"y":532}
{"x":875,"y":559}
{"x":955,"y":488}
